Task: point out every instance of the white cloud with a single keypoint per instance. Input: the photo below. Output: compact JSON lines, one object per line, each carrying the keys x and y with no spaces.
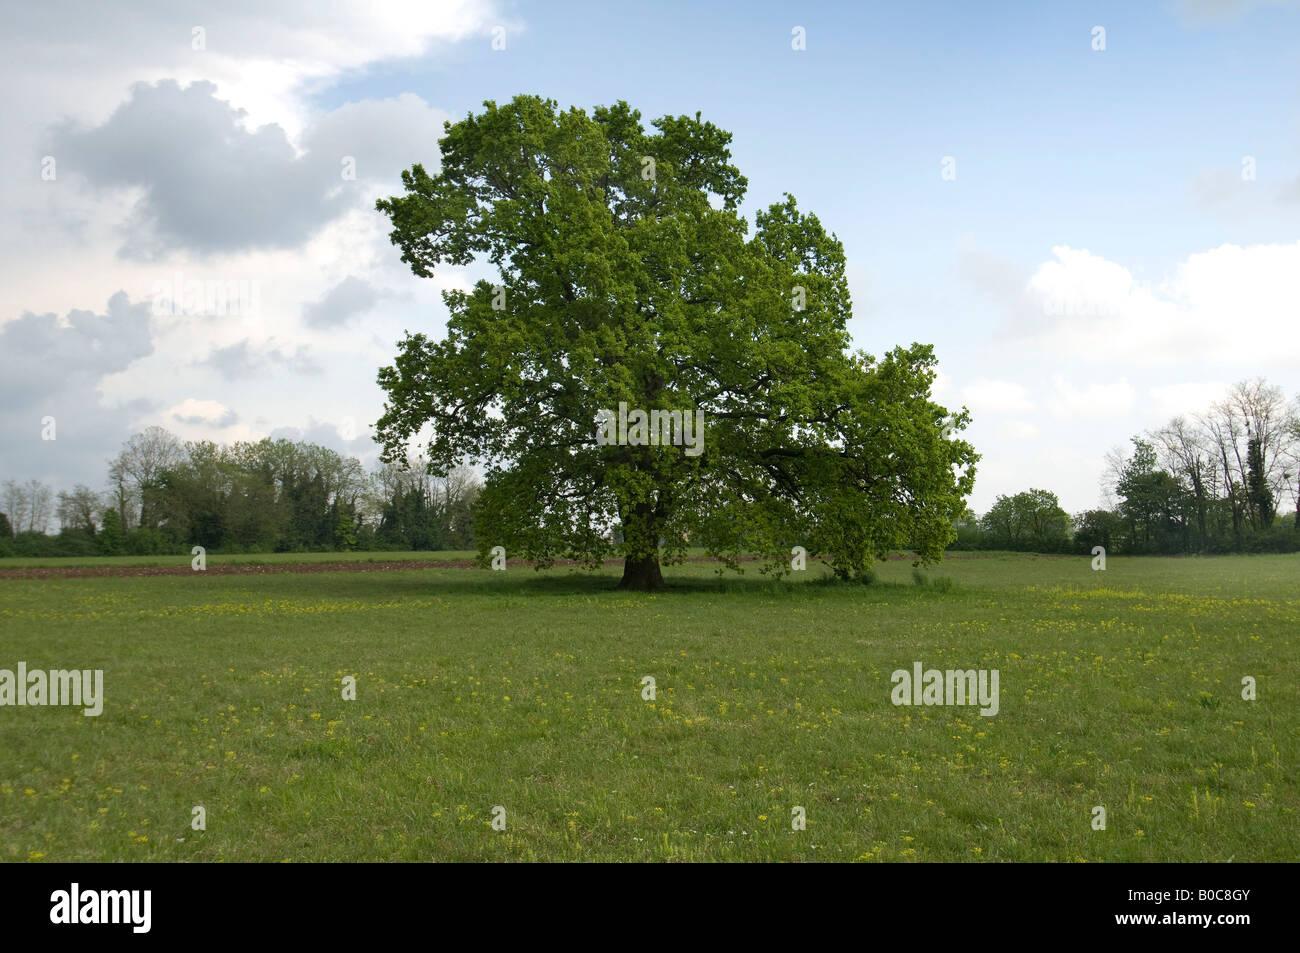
{"x":996,"y":397}
{"x":264,"y":58}
{"x":1091,"y":402}
{"x":71,"y":67}
{"x":1228,"y":305}
{"x":211,"y":413}
{"x":204,"y":184}
{"x":1185,"y":399}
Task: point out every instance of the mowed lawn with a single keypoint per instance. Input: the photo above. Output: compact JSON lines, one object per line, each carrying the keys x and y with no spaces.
{"x":519,"y":689}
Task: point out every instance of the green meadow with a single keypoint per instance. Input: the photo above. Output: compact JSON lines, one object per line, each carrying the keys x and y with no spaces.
{"x":523,"y":690}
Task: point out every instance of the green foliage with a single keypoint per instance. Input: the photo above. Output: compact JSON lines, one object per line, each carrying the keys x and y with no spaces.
{"x":73,"y":542}
{"x":147,"y":541}
{"x":1259,"y":495}
{"x":968,"y":534}
{"x":617,"y":286}
{"x":264,"y":496}
{"x":345,"y":528}
{"x":1098,"y":528}
{"x":1156,"y":507}
{"x":411,"y":520}
{"x":110,"y":539}
{"x":1029,"y":521}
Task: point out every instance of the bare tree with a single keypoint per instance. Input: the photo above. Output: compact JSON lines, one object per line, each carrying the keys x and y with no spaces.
{"x":1290,"y":454}
{"x":460,"y":486}
{"x":1252,"y":411}
{"x":15,"y":503}
{"x":39,"y":504}
{"x":1226,"y":433}
{"x":144,"y":456}
{"x":1186,"y":451}
{"x":79,"y":509}
{"x":1263,"y":409}
{"x":1111,"y":474}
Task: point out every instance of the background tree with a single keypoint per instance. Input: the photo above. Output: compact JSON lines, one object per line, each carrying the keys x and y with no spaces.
{"x":1259,"y":495}
{"x":143,"y":458}
{"x":624,"y":274}
{"x":1139,"y":501}
{"x":1097,"y":528}
{"x":79,"y":509}
{"x":1156,"y":508}
{"x":1184,"y":449}
{"x":1291,"y":458}
{"x":1002,"y":524}
{"x":14,"y":499}
{"x":40,"y":506}
{"x":110,"y":540}
{"x":1262,"y":408}
{"x":1029,"y":521}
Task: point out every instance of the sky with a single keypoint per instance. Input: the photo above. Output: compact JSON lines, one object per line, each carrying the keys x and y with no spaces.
{"x":1091,"y":210}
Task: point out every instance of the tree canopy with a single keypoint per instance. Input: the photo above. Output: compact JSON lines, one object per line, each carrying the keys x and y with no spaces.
{"x":1032,"y":520}
{"x":626,"y":275}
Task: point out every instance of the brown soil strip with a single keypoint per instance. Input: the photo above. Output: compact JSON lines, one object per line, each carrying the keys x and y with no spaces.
{"x":392,"y":565}
{"x":247,"y":569}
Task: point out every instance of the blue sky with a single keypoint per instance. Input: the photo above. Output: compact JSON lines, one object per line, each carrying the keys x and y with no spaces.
{"x":1106,"y":183}
{"x":1054,"y":140}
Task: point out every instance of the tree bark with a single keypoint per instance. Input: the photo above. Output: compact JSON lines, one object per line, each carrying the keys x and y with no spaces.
{"x":641,"y":574}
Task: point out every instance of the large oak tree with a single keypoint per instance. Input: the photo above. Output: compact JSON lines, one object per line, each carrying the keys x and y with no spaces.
{"x":625,"y":273}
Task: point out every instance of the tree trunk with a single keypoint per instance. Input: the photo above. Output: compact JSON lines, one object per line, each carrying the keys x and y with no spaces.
{"x":642,"y":574}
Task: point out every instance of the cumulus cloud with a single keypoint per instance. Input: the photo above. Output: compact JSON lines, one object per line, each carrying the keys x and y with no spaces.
{"x":348,"y":436}
{"x":219,"y":157}
{"x":265,"y":58}
{"x":348,"y":299}
{"x":209,"y":413}
{"x":37,"y":351}
{"x":243,"y":361}
{"x":1221,"y":305}
{"x":207,"y":184}
{"x":381,"y":137}
{"x":56,"y":368}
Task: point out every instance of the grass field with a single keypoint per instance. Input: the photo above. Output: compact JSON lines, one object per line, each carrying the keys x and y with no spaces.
{"x":523,"y":690}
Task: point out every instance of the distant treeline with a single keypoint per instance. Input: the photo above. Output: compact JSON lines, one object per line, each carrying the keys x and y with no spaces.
{"x":166,"y":496}
{"x":1214,"y":483}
